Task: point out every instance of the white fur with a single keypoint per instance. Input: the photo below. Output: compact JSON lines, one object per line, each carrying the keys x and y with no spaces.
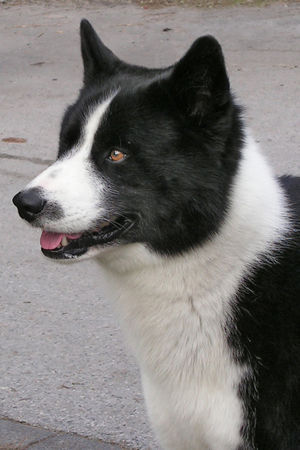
{"x":173,"y":311}
{"x":72,"y":184}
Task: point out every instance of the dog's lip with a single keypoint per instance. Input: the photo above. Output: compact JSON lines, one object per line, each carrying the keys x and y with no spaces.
{"x":106,"y":234}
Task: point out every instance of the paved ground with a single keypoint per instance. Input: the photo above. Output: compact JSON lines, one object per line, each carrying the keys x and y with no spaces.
{"x":64,"y":365}
{"x":14,"y":435}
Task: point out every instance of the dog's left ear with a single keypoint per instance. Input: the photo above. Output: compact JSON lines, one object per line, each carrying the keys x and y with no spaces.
{"x":98,"y":60}
{"x":199,"y":82}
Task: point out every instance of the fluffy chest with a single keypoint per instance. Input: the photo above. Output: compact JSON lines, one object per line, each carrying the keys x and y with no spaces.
{"x":177,"y":332}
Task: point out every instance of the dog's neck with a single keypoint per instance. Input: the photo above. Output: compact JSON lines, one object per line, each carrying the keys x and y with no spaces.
{"x":174,"y":310}
{"x":149,"y":287}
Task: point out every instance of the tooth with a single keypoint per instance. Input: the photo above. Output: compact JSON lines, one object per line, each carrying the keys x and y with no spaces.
{"x":64,"y":241}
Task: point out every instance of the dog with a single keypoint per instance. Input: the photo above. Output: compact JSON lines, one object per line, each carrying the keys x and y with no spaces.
{"x":159,"y":179}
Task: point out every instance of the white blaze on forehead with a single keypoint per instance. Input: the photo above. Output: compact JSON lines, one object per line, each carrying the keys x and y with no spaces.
{"x":71,"y":182}
{"x":92,"y":124}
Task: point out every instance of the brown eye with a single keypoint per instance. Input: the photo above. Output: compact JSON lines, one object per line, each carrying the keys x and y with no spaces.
{"x":116,"y":155}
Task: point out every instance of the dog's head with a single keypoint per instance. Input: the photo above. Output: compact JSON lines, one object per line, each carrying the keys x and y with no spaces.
{"x":145,"y":155}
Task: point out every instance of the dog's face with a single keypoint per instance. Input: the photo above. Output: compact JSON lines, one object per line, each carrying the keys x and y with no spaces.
{"x":145,"y":155}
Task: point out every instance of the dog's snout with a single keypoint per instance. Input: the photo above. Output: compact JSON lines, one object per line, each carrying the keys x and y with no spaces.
{"x":29,"y":203}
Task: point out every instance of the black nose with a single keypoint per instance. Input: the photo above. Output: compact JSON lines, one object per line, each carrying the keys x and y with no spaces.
{"x":29,"y":203}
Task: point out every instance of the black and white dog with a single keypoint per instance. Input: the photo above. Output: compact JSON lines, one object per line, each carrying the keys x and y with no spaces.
{"x":157,"y":177}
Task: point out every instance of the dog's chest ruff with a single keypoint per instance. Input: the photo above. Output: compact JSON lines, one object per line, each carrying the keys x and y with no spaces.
{"x":189,"y":377}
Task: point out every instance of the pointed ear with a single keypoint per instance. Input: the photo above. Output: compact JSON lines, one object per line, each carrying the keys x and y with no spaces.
{"x":199,"y":81}
{"x":98,"y":60}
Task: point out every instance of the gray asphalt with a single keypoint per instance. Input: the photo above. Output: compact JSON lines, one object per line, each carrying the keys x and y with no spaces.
{"x":64,"y":363}
{"x":15,"y":435}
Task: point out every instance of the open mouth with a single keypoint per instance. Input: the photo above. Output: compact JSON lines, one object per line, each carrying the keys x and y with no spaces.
{"x":70,"y":246}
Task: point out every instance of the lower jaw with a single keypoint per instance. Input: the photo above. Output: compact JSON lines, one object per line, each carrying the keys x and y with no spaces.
{"x":56,"y":254}
{"x":76,"y":253}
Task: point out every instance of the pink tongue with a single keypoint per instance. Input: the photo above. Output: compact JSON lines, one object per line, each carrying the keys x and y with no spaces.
{"x":50,"y":241}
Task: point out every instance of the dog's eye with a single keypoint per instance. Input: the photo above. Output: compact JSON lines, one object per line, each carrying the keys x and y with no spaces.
{"x":116,"y":156}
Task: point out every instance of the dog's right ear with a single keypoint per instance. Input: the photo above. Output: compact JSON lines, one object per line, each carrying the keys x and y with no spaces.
{"x":98,"y":60}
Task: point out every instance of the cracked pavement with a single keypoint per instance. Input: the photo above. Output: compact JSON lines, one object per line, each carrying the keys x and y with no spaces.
{"x":64,"y":363}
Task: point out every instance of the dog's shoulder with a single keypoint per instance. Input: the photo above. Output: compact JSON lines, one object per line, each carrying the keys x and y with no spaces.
{"x":279,"y":276}
{"x":267,"y":324}
{"x":273,"y":288}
